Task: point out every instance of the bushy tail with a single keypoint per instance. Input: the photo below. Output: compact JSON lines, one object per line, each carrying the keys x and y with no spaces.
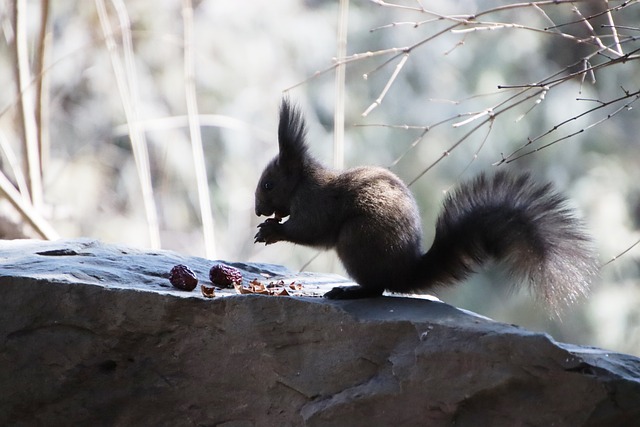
{"x":512,"y":219}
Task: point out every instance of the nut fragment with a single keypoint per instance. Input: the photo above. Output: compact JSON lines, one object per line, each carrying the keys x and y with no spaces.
{"x":183,"y":278}
{"x":273,"y":288}
{"x":208,"y":291}
{"x":224,"y":276}
{"x":295,"y":286}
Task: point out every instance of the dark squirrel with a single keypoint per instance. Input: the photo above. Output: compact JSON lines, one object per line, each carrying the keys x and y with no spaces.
{"x":371,"y":218}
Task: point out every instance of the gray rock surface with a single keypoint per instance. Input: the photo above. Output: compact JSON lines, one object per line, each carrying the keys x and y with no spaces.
{"x":94,"y":334}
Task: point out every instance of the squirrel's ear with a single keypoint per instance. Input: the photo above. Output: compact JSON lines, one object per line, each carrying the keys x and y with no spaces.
{"x":291,"y":135}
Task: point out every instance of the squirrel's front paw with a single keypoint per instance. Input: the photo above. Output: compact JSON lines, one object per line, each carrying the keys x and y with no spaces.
{"x":269,"y":232}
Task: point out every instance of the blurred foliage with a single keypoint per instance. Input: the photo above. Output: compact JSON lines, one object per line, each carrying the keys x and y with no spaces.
{"x":247,"y":53}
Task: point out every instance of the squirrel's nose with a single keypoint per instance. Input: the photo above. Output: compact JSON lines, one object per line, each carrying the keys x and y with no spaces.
{"x":261,"y":211}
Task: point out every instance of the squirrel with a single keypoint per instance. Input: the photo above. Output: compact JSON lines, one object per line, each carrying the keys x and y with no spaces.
{"x":369,"y":216}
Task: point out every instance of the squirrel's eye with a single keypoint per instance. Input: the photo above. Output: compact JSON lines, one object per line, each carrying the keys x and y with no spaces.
{"x":267,"y":185}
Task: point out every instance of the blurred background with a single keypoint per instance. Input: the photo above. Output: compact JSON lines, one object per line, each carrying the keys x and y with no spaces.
{"x":149,"y":123}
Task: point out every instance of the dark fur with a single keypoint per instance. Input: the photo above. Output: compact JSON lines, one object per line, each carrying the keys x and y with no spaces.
{"x":370,"y":217}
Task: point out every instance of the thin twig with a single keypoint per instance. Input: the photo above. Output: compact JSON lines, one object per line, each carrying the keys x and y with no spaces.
{"x":427,"y":128}
{"x":26,"y":105}
{"x":587,"y":24}
{"x":595,"y":15}
{"x":306,"y":264}
{"x":614,"y":30}
{"x":543,"y":13}
{"x":41,"y":97}
{"x":446,"y":153}
{"x":457,"y":21}
{"x":620,"y":254}
{"x":625,"y":58}
{"x":206,"y":120}
{"x":126,"y":82}
{"x":414,"y":24}
{"x":587,"y":68}
{"x":384,"y":3}
{"x":479,"y":26}
{"x":14,"y":166}
{"x":621,"y":27}
{"x":202,"y":183}
{"x":476,"y":154}
{"x":43,"y":100}
{"x":627,"y":106}
{"x":339,"y":84}
{"x":346,"y":60}
{"x":601,"y":105}
{"x":388,"y":85}
{"x":411,"y":147}
{"x":474,"y":117}
{"x":497,"y":110}
{"x":539,"y":101}
{"x":26,"y":210}
{"x":340,"y":89}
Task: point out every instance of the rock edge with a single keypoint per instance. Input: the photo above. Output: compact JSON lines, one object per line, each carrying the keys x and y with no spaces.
{"x":91,"y":334}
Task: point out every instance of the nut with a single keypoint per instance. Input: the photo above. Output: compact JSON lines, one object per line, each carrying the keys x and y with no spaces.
{"x":208,"y":291}
{"x":183,"y":278}
{"x":225,"y":276}
{"x":273,"y":288}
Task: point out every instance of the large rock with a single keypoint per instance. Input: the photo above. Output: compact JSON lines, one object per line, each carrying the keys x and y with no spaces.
{"x":93,"y":334}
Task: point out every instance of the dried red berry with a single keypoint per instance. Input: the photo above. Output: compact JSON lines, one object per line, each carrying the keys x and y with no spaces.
{"x":225,"y":276}
{"x":182,"y":277}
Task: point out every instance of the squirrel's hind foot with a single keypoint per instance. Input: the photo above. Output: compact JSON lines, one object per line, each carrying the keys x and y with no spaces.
{"x":353,"y":292}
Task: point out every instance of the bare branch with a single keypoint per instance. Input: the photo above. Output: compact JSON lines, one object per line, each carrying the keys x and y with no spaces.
{"x":14,"y":166}
{"x":202,"y":182}
{"x":512,"y":157}
{"x":552,"y":81}
{"x":543,"y":13}
{"x":543,"y":94}
{"x":414,"y":24}
{"x":26,"y":105}
{"x":594,"y":36}
{"x":446,"y":153}
{"x":476,"y":25}
{"x":622,"y":27}
{"x":30,"y":215}
{"x":126,"y":81}
{"x":388,"y":85}
{"x":340,"y":87}
{"x":498,"y":109}
{"x":347,"y":60}
{"x":486,"y":112}
{"x":475,"y":155}
{"x":41,"y":98}
{"x":614,"y":31}
{"x":613,"y":9}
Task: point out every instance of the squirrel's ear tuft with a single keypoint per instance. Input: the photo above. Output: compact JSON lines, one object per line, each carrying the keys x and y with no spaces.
{"x":291,"y":133}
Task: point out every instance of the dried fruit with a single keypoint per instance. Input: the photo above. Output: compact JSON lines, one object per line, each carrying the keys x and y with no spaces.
{"x":208,"y":291}
{"x":225,"y":276}
{"x":183,"y":278}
